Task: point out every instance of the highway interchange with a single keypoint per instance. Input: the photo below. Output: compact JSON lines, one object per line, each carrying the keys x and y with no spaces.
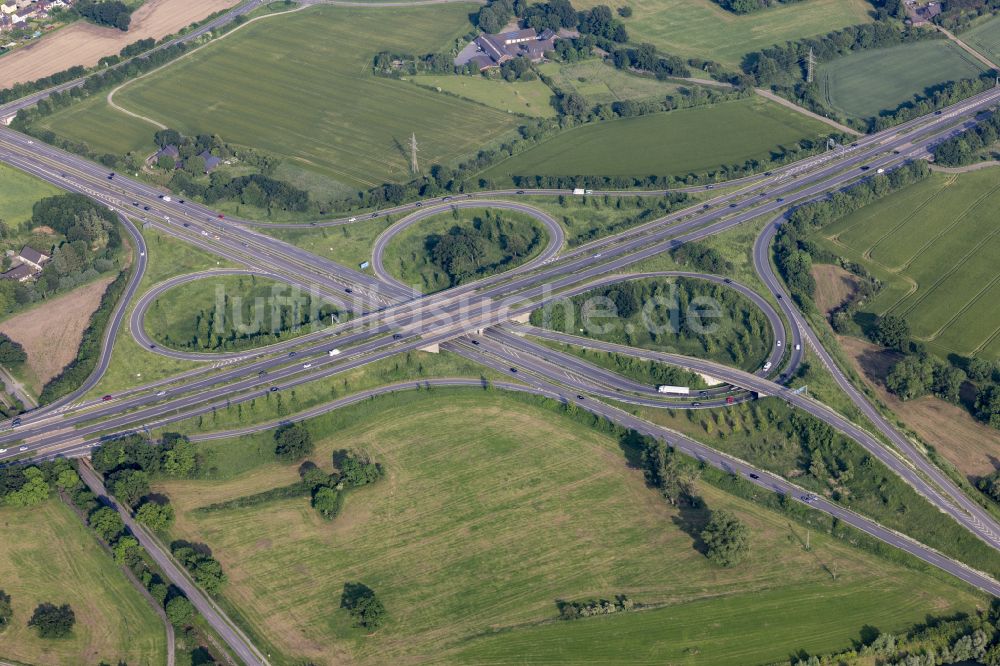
{"x":476,"y":320}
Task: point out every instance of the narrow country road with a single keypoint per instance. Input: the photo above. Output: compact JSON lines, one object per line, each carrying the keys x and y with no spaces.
{"x":223,"y":626}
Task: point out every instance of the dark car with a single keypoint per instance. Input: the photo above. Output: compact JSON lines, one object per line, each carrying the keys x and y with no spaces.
{"x":180,"y":201}
{"x":703,"y":393}
{"x":135,"y":203}
{"x":520,"y":191}
{"x":728,"y":280}
{"x":348,"y":291}
{"x":221,"y":216}
{"x":291,"y":353}
{"x":513,"y":369}
{"x":732,"y":205}
{"x":709,"y":187}
{"x":767,"y":173}
{"x":16,"y":422}
{"x":273,"y":389}
{"x":779,"y":296}
{"x":145,"y":207}
{"x":707,"y":206}
{"x":696,"y":404}
{"x":937,"y":113}
{"x":261,"y":373}
{"x":152,"y":346}
{"x":107,"y":398}
{"x":475,"y":342}
{"x":396,"y":336}
{"x":754,"y":476}
{"x":418,"y":204}
{"x":579,"y":397}
{"x":111,"y":175}
{"x":186,"y":224}
{"x":780,"y":200}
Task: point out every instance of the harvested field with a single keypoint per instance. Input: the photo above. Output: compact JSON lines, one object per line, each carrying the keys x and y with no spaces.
{"x":51,"y":333}
{"x":834,"y":285}
{"x":84,"y":43}
{"x":969,"y":445}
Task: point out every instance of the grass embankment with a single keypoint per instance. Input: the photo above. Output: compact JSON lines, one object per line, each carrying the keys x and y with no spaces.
{"x":48,"y":555}
{"x":234,"y":312}
{"x":487,"y":529}
{"x":529,"y":98}
{"x":678,"y":143}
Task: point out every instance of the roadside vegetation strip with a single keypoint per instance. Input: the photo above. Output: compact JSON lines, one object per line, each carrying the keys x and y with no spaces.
{"x":424,"y":451}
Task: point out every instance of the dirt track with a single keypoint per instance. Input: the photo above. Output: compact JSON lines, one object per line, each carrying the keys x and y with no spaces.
{"x":84,"y":43}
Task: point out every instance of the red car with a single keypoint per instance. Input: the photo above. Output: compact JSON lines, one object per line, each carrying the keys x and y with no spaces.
{"x":106,"y":398}
{"x":221,"y":216}
{"x":730,"y":400}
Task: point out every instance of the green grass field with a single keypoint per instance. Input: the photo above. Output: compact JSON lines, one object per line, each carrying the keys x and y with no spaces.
{"x":602,"y":83}
{"x":20,"y":192}
{"x":985,"y":38}
{"x":320,"y":108}
{"x":101,"y":127}
{"x":530,"y":98}
{"x":701,"y":28}
{"x":471,"y":539}
{"x":935,"y":245}
{"x":232,"y":312}
{"x":48,"y":555}
{"x":864,"y":83}
{"x":408,"y":259}
{"x":676,"y":143}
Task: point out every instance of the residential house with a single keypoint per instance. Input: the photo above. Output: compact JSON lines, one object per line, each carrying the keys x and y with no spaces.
{"x":488,"y":51}
{"x":21,"y":273}
{"x":167,"y":151}
{"x":211,"y":161}
{"x":33,"y":258}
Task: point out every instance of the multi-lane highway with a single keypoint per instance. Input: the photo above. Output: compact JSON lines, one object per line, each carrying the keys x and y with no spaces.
{"x":389,"y":318}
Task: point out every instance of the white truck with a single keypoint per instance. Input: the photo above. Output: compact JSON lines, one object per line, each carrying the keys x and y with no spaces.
{"x":579,"y":190}
{"x":663,"y":388}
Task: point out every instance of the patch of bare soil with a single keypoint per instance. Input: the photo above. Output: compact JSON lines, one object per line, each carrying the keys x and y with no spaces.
{"x":85,"y":43}
{"x":51,"y":332}
{"x":834,"y":285}
{"x":972,"y":447}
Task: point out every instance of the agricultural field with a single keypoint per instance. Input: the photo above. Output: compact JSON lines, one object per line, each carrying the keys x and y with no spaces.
{"x":20,"y":192}
{"x":55,"y":558}
{"x":676,"y":143}
{"x":985,"y":38}
{"x":490,"y":242}
{"x":105,"y":130}
{"x":602,"y":83}
{"x":322,"y":108}
{"x":488,"y":530}
{"x":862,"y":84}
{"x":702,"y":29}
{"x":935,"y":245}
{"x":530,"y":98}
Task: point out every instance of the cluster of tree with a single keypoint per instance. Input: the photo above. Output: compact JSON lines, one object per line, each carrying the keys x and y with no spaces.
{"x":361,"y":603}
{"x":136,"y":47}
{"x":24,"y":486}
{"x":292,"y":441}
{"x":645,"y":58}
{"x":53,"y":621}
{"x":113,"y":13}
{"x":518,"y":69}
{"x":726,"y":539}
{"x":173,"y":455}
{"x":701,"y":257}
{"x":197,"y":559}
{"x":12,"y":353}
{"x":571,"y":610}
{"x":553,"y":15}
{"x":189,"y":147}
{"x":256,"y":190}
{"x":6,"y":610}
{"x":915,"y":375}
{"x":749,"y":6}
{"x":467,"y":251}
{"x":647,"y":209}
{"x":968,"y":146}
{"x":958,"y":15}
{"x":665,"y":471}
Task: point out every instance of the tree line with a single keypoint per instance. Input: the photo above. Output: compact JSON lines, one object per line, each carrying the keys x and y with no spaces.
{"x":112,"y":13}
{"x":969,"y":146}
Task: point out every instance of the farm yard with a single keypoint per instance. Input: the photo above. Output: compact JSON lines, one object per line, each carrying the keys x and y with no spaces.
{"x":675,"y":143}
{"x":55,"y":558}
{"x":935,"y":245}
{"x":703,"y":29}
{"x":862,"y":84}
{"x":487,"y":530}
{"x":84,"y":43}
{"x":323,"y":109}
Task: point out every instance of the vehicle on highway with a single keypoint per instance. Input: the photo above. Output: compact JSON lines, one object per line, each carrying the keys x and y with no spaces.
{"x":778,"y":343}
{"x":135,"y":203}
{"x":332,"y":352}
{"x":706,"y":206}
{"x":22,"y":448}
{"x":306,"y":366}
{"x":3,"y":450}
{"x":597,"y":256}
{"x":728,"y":280}
{"x":142,"y":254}
{"x":696,"y":404}
{"x":291,"y":353}
{"x":779,"y":296}
{"x":418,"y":204}
{"x":261,"y":373}
{"x":475,"y":342}
{"x":780,"y":200}
{"x":167,"y":199}
{"x":160,"y":394}
{"x":520,"y":191}
{"x":353,"y":219}
{"x":397,"y":336}
{"x":767,"y":366}
{"x":221,"y":216}
{"x":111,"y":175}
{"x":273,"y":389}
{"x":798,"y":347}
{"x":348,"y":291}
{"x":730,"y":400}
{"x":880,"y":170}
{"x":107,"y":398}
{"x":180,"y":201}
{"x":732,"y":205}
{"x":513,"y":369}
{"x":754,"y":476}
{"x":579,"y":397}
{"x":16,"y":422}
{"x":666,"y":388}
{"x":147,"y":208}
{"x":709,"y":187}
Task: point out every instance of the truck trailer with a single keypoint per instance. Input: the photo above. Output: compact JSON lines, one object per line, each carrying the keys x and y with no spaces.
{"x":663,"y":388}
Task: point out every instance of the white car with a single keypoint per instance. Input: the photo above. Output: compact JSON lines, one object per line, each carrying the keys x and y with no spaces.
{"x":779,"y":343}
{"x":307,"y":366}
{"x":353,"y":219}
{"x":22,"y":448}
{"x":142,"y":254}
{"x":334,"y":352}
{"x":3,"y":450}
{"x":161,"y":393}
{"x":798,"y":347}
